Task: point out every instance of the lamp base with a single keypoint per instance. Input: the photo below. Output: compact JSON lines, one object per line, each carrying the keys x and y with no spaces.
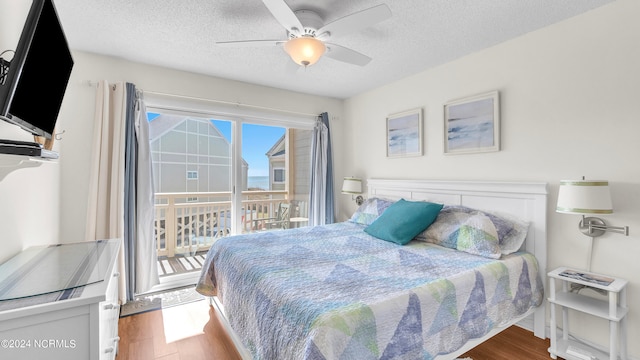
{"x":359,"y":200}
{"x":586,"y":225}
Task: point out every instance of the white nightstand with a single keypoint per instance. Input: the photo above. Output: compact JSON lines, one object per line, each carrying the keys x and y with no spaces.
{"x":614,"y":310}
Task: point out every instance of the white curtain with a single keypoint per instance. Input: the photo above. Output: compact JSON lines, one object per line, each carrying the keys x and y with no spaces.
{"x":106,"y":209}
{"x":146,"y":265}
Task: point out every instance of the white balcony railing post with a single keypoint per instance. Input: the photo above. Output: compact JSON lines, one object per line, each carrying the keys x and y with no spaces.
{"x":170,"y":226}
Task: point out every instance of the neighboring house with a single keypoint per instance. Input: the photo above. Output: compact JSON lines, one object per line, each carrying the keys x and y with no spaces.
{"x":299,"y":166}
{"x":277,"y":165}
{"x":297,"y":173}
{"x":190,"y":155}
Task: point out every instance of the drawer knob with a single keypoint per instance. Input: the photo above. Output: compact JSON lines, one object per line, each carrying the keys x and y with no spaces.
{"x":116,"y":274}
{"x":109,"y":350}
{"x":109,"y":306}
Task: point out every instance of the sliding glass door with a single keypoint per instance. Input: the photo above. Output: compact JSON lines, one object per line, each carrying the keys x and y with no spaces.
{"x":217,"y":176}
{"x":264,"y":151}
{"x":193,"y":179}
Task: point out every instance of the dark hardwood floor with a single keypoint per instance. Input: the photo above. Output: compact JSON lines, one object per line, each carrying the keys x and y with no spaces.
{"x":193,"y":331}
{"x":511,"y":344}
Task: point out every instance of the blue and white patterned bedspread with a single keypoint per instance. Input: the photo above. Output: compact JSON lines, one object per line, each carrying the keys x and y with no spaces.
{"x":335,"y":292}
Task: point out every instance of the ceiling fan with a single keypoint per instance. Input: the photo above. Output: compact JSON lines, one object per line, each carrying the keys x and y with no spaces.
{"x":307,"y":34}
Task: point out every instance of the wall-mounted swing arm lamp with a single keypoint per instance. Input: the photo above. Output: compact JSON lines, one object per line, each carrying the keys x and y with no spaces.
{"x":582,"y":197}
{"x":353,"y":186}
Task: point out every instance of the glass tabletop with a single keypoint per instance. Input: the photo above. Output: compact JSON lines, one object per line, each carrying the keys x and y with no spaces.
{"x":52,"y":268}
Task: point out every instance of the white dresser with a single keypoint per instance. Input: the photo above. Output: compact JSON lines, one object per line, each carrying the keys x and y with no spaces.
{"x":76,"y":314}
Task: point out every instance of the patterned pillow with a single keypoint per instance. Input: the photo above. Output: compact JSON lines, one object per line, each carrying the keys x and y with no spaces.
{"x":456,"y":222}
{"x":369,"y":211}
{"x":511,"y":231}
{"x":477,"y":235}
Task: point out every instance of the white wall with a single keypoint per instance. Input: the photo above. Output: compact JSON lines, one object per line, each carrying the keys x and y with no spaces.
{"x":13,"y":15}
{"x":570,"y":106}
{"x":76,"y":117}
{"x":29,"y":200}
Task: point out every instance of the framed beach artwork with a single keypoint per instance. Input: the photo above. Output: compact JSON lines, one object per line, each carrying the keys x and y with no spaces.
{"x":472,"y":124}
{"x":404,"y":134}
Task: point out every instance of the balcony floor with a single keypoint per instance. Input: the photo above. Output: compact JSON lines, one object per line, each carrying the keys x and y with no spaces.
{"x":180,"y":264}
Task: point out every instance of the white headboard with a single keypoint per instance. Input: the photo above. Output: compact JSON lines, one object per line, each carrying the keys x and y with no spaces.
{"x":527,"y":201}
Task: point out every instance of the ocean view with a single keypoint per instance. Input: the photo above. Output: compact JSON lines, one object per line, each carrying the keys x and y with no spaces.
{"x":260,"y":182}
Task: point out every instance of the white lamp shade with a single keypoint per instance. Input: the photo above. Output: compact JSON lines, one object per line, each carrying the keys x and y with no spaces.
{"x":305,"y":50}
{"x":584,"y":197}
{"x":352,"y":185}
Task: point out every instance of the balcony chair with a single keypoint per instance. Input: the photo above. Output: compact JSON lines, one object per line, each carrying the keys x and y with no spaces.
{"x":281,"y":221}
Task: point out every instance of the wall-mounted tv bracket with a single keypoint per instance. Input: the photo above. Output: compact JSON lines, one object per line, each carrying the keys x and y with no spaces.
{"x":4,"y":70}
{"x":4,"y":67}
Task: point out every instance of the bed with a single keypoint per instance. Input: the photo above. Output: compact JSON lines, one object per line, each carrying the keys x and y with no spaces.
{"x":335,"y":291}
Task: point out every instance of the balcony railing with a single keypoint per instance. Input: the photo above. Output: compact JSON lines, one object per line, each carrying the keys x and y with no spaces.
{"x":190,"y":222}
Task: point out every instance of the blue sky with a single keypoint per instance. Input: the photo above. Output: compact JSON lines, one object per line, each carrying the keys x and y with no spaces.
{"x":256,"y":141}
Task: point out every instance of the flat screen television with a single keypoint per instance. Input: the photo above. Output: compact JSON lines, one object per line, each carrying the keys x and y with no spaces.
{"x":37,"y":76}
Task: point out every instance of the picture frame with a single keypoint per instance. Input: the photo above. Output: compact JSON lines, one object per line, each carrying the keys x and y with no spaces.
{"x":404,"y":133}
{"x":472,"y":124}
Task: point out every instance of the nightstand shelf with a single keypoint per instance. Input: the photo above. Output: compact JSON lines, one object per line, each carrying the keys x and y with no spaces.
{"x":589,"y":305}
{"x":614,"y":309}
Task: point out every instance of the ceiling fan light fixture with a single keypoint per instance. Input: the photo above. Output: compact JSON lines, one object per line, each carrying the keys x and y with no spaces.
{"x":305,"y":50}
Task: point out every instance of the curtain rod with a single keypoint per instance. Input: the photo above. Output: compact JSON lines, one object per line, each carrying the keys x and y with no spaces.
{"x":239,"y":104}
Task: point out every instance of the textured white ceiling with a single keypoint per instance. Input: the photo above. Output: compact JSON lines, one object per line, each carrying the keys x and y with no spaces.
{"x":181,"y":34}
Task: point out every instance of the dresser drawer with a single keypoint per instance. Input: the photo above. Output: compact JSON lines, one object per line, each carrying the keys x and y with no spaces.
{"x":109,"y":314}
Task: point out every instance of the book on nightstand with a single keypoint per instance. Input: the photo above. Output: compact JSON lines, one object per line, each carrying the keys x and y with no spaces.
{"x":592,"y":278}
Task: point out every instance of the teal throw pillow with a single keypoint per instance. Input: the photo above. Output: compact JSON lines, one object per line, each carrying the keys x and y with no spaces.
{"x":403,"y":220}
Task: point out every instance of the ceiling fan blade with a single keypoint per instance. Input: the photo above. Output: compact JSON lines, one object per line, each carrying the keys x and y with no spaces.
{"x":283,"y":13}
{"x":347,"y":55}
{"x":356,"y":21}
{"x":251,"y":43}
{"x":293,"y":68}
